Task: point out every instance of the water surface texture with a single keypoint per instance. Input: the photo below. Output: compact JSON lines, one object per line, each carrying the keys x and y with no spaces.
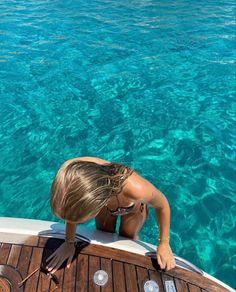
{"x":147,"y":83}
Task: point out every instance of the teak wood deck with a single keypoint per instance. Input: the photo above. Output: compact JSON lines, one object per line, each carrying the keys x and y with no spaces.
{"x":126,"y":271}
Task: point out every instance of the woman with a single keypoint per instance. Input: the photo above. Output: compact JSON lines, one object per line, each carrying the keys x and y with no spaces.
{"x":90,"y":187}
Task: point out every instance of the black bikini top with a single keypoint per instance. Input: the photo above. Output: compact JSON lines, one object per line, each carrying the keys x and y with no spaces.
{"x":121,"y":210}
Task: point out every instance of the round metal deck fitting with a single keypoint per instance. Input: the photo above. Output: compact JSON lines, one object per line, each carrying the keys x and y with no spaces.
{"x":5,"y":286}
{"x":9,"y":279}
{"x":100,"y":278}
{"x":151,"y":286}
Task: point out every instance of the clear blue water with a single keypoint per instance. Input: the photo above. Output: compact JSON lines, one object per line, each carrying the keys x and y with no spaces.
{"x":147,"y":83}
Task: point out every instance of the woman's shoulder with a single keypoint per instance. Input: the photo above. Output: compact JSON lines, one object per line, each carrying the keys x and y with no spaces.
{"x":137,"y":187}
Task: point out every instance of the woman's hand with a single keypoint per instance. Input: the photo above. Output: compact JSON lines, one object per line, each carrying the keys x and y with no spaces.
{"x":64,"y":252}
{"x":165,"y":256}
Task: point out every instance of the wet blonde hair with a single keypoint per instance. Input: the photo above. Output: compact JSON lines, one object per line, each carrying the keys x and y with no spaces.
{"x":81,"y":188}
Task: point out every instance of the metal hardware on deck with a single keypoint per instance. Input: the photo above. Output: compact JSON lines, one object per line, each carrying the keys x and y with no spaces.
{"x":61,"y":234}
{"x":9,"y":278}
{"x":5,"y":285}
{"x":170,"y":286}
{"x":100,"y":278}
{"x":151,"y":286}
{"x":33,"y":251}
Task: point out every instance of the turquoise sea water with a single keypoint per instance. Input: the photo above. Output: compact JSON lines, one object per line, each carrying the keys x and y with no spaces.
{"x":147,"y":83}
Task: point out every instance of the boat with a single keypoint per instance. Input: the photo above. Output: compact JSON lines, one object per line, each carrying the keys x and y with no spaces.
{"x":103,"y":261}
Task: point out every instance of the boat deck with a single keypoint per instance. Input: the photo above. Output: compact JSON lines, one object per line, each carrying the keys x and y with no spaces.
{"x":126,"y":271}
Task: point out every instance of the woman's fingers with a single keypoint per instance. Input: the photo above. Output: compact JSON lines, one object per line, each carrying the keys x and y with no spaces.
{"x":164,"y":264}
{"x":49,"y":263}
{"x":51,"y":256}
{"x":56,"y":267}
{"x":53,"y":263}
{"x":168,"y":265}
{"x":173,"y":264}
{"x":56,"y":259}
{"x":69,"y":261}
{"x":160,"y":261}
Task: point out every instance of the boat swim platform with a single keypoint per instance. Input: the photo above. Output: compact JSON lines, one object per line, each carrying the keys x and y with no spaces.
{"x":103,"y":262}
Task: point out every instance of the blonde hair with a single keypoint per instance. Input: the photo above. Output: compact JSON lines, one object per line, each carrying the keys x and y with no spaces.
{"x":81,"y":188}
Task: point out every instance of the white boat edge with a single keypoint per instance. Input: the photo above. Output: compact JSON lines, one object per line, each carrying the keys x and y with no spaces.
{"x":17,"y":230}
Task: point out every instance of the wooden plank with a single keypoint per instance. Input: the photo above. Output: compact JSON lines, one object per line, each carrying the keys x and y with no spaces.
{"x":20,"y":258}
{"x":19,"y":239}
{"x":155,"y":276}
{"x":4,"y":252}
{"x":82,"y":273}
{"x":32,"y":241}
{"x":69,"y":277}
{"x":32,"y":282}
{"x":24,"y":260}
{"x":106,"y":266}
{"x":193,"y":288}
{"x":118,"y":255}
{"x":50,"y":245}
{"x":146,"y":262}
{"x":130,"y":278}
{"x":181,"y":285}
{"x":43,"y":283}
{"x":14,"y":255}
{"x":142,"y":275}
{"x":42,"y":241}
{"x":60,"y":276}
{"x":118,"y":277}
{"x":94,"y":266}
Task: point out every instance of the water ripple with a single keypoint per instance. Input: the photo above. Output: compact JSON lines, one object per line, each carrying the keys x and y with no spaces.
{"x":147,"y":83}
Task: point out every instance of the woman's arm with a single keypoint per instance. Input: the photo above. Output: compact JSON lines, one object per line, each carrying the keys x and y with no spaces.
{"x":138,"y":188}
{"x":70,"y":231}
